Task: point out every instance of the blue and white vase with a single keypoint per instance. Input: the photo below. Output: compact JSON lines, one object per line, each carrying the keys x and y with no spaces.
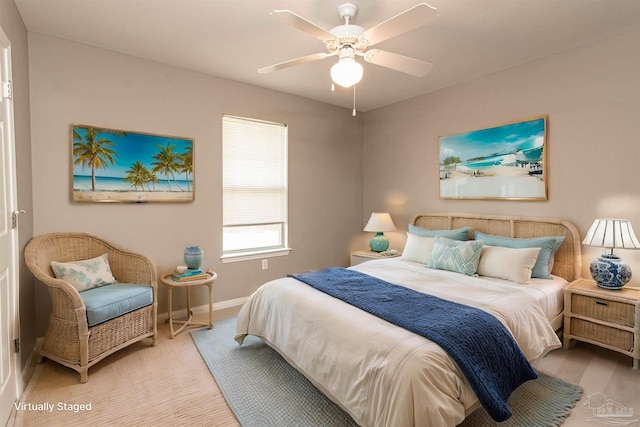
{"x":610,"y":272}
{"x":193,"y":256}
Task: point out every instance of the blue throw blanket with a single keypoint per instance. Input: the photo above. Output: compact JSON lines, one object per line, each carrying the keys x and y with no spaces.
{"x":482,"y":347}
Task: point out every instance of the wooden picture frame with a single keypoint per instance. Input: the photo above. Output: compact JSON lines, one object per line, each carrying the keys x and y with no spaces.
{"x":112,"y":165}
{"x":504,"y":162}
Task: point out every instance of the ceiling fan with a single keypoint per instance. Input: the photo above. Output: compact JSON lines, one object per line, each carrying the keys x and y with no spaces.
{"x":348,"y":41}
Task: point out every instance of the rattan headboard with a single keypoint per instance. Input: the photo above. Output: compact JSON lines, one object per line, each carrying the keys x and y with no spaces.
{"x":567,"y":260}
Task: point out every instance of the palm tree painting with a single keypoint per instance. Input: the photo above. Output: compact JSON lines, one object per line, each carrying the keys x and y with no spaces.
{"x":111,"y":165}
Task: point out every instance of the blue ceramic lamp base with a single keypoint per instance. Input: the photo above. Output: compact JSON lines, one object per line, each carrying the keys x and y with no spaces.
{"x":610,"y":272}
{"x":379,"y":242}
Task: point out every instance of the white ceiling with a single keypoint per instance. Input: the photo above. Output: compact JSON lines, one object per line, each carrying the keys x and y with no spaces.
{"x":233,"y":38}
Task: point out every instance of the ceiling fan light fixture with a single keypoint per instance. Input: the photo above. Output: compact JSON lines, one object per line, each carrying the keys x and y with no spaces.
{"x":346,"y":72}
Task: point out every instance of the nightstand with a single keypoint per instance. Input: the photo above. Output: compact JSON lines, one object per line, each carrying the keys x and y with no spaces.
{"x":607,"y":318}
{"x":358,"y":257}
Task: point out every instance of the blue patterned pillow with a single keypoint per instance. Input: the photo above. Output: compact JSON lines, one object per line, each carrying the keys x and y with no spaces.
{"x":457,"y":234}
{"x":85,"y":274}
{"x":454,"y":255}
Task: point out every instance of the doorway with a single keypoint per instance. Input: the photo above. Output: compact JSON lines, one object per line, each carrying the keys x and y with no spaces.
{"x":9,"y":324}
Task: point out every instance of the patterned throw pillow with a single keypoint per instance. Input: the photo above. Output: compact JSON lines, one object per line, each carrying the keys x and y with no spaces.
{"x":85,"y":274}
{"x":455,"y":255}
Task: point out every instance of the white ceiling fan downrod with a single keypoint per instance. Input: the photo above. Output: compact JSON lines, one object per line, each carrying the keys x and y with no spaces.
{"x":354,"y":101}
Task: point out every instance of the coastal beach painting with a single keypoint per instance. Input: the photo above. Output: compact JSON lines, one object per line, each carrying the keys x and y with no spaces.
{"x":502,"y":162}
{"x":111,"y":165}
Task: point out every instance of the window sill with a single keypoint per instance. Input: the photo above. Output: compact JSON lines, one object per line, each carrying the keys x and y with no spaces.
{"x":246,"y":256}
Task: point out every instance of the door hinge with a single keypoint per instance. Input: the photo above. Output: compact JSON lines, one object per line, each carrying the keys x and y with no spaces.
{"x":7,"y":89}
{"x":16,"y":345}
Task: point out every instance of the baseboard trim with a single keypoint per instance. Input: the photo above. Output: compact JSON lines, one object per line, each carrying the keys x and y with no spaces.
{"x":30,"y":365}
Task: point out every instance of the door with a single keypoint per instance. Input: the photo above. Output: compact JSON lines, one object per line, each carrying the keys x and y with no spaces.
{"x":9,"y":362}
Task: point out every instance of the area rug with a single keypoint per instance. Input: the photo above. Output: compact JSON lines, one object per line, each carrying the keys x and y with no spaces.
{"x":546,"y":401}
{"x":262,"y":389}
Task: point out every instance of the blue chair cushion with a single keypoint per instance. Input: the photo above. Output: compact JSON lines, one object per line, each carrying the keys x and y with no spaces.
{"x":110,"y":301}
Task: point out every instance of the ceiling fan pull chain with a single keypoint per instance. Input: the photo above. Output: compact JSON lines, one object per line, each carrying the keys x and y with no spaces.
{"x":354,"y":101}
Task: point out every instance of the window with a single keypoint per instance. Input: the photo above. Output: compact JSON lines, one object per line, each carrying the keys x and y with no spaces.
{"x":254,"y":181}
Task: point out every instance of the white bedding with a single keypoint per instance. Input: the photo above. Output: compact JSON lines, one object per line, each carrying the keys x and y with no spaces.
{"x":383,"y":375}
{"x":549,"y":294}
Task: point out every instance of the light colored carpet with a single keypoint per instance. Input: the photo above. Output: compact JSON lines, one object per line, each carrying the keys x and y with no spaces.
{"x":264,"y":390}
{"x":166,"y":385}
{"x":595,"y":369}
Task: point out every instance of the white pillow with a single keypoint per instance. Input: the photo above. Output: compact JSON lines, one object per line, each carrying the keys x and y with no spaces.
{"x":515,"y":264}
{"x":85,"y":274}
{"x":418,"y":248}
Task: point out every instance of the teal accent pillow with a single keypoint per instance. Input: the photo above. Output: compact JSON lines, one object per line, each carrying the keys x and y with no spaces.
{"x":548,"y":247}
{"x":455,"y":255}
{"x":457,"y":234}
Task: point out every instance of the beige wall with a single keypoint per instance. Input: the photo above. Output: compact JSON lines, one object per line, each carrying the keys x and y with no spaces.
{"x":12,"y":25}
{"x":592,"y":98}
{"x":74,"y":83}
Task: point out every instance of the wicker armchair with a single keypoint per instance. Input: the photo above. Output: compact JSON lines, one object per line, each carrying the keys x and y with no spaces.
{"x":68,"y":339}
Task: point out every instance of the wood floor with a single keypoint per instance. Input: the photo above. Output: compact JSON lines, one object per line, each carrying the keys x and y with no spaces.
{"x":604,"y":375}
{"x":170,"y":385}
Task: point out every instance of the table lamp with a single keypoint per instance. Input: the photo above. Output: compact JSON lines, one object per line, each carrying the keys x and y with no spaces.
{"x":609,"y":271}
{"x":379,"y":223}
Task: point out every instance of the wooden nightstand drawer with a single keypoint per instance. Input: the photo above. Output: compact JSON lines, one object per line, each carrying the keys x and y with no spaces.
{"x":603,"y":317}
{"x":602,"y":309}
{"x":602,"y":334}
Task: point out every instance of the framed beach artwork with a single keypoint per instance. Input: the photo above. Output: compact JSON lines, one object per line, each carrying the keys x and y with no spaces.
{"x":502,"y":162}
{"x":111,"y":165}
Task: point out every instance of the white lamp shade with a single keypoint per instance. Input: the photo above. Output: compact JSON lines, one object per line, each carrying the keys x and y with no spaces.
{"x":380,"y":222}
{"x":611,"y":233}
{"x":346,"y":72}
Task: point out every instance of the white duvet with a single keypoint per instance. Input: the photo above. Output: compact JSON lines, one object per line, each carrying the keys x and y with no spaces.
{"x":383,"y":375}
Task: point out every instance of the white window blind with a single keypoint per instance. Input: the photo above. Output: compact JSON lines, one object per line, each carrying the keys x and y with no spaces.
{"x":254,"y":185}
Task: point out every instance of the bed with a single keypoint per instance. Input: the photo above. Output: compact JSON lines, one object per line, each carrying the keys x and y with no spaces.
{"x":385,"y":375}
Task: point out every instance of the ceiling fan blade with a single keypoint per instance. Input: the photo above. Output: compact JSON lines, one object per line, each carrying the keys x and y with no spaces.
{"x":302,"y":24}
{"x":410,"y":19}
{"x":292,"y":62}
{"x":397,"y":62}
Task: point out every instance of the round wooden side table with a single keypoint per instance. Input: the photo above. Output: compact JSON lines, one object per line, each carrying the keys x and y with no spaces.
{"x":187,"y":285}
